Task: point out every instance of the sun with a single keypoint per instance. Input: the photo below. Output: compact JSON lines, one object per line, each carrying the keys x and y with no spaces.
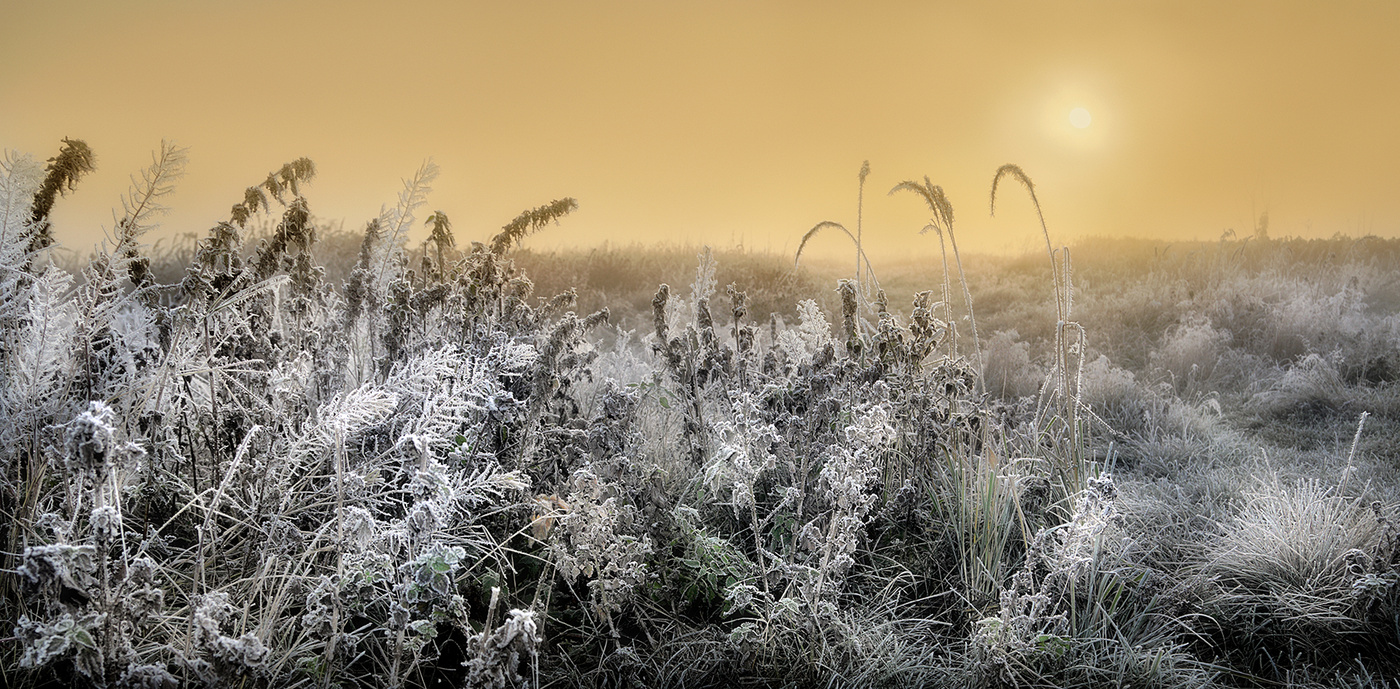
{"x":1080,"y":118}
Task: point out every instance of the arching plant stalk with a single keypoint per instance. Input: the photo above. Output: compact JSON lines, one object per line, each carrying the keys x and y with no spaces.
{"x":860,"y":208}
{"x":860,"y":255}
{"x":1061,"y":281}
{"x":864,"y":275}
{"x":530,"y":222}
{"x":74,"y":160}
{"x":1020,"y":175}
{"x":942,"y":210}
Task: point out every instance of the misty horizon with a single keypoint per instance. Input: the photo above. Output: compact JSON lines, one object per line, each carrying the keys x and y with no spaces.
{"x":728,"y":120}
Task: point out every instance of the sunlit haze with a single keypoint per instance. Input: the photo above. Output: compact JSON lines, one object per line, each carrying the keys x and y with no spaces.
{"x":730,"y":122}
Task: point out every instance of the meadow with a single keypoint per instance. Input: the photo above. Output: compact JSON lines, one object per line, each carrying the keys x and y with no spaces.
{"x":286,"y":454}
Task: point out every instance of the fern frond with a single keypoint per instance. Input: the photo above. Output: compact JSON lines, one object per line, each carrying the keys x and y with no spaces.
{"x":20,"y":179}
{"x":42,"y":349}
{"x":394,"y":223}
{"x":143,"y":201}
{"x":141,"y":204}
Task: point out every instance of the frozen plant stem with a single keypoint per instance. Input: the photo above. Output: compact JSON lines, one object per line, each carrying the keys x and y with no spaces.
{"x":942,"y":210}
{"x":860,"y":207}
{"x":1351,"y":455}
{"x":339,"y":452}
{"x":1016,"y":172}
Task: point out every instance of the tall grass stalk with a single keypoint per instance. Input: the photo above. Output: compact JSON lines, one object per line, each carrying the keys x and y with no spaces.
{"x":1015,"y":172}
{"x":942,"y":210}
{"x":865,"y":278}
{"x":1059,"y":380}
{"x":860,"y":208}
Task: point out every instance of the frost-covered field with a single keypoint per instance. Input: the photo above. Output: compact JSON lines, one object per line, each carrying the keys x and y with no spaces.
{"x":224,"y":463}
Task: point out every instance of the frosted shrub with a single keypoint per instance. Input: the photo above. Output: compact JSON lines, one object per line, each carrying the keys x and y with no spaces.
{"x":1009,"y":373}
{"x":223,"y":658}
{"x":740,"y":458}
{"x":51,"y":568}
{"x":1190,"y":354}
{"x":595,"y":541}
{"x":66,"y":636}
{"x":497,"y":655}
{"x":91,"y":438}
{"x":802,"y":343}
{"x":427,"y":587}
{"x":1088,"y":535}
{"x":847,"y":479}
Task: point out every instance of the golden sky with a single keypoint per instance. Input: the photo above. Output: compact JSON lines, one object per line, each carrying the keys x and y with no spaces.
{"x":720,"y":122}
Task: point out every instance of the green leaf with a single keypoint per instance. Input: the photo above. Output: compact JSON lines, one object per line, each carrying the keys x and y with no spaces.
{"x":81,"y":637}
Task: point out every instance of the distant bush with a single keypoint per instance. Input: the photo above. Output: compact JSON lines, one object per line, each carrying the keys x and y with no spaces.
{"x":1311,"y":389}
{"x":1190,"y":356}
{"x":1009,"y":372}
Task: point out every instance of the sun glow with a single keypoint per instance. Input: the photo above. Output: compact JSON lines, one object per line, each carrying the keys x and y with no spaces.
{"x":1080,"y":118}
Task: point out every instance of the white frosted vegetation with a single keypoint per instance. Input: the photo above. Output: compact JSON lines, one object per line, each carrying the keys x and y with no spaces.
{"x":249,"y":476}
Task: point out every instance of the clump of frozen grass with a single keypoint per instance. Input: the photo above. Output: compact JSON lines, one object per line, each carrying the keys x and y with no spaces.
{"x":1307,"y":568}
{"x":1082,"y":612}
{"x":1008,"y":371}
{"x":1190,"y":355}
{"x":1294,"y":536}
{"x":1308,"y":389}
{"x":1129,"y":412}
